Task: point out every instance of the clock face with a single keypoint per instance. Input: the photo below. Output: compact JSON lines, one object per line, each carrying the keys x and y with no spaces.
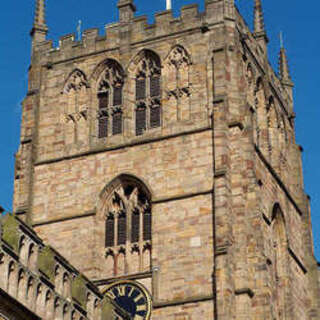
{"x":131,"y":297}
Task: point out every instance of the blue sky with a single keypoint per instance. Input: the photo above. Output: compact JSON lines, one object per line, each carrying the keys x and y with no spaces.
{"x":298,"y":21}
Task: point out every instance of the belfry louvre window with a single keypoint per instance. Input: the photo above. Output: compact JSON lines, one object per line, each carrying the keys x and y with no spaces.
{"x":110,"y":231}
{"x":110,"y":96}
{"x":122,"y":228}
{"x":141,"y":117}
{"x":154,"y":86}
{"x":140,"y":88}
{"x":147,"y":225}
{"x":117,"y":96}
{"x":128,"y":214}
{"x":103,"y":114}
{"x":117,"y":122}
{"x":148,"y":92}
{"x":135,"y":226}
{"x":155,"y":115}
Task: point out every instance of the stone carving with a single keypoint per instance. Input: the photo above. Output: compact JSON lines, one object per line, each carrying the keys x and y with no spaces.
{"x":127,"y":205}
{"x":77,"y":80}
{"x":112,"y":76}
{"x":76,"y":111}
{"x":179,"y":57}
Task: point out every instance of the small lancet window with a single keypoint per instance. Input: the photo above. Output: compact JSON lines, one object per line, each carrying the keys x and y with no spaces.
{"x":147,"y":219}
{"x":122,"y":228}
{"x":154,"y":86}
{"x":148,"y":92}
{"x":140,"y":87}
{"x":141,"y":118}
{"x":103,"y":114}
{"x":110,"y":98}
{"x":155,"y":114}
{"x":117,"y":96}
{"x":117,"y":122}
{"x":135,"y":226}
{"x":110,"y":231}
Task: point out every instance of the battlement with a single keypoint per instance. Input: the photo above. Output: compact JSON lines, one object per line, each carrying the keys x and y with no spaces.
{"x":138,"y":30}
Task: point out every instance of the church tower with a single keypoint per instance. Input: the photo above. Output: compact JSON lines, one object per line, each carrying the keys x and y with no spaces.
{"x":164,"y":156}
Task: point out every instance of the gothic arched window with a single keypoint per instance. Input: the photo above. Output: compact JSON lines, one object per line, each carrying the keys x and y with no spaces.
{"x":178,"y":85}
{"x":110,"y":97}
{"x":76,"y":108}
{"x":280,"y":260}
{"x":128,"y":219}
{"x":148,"y":92}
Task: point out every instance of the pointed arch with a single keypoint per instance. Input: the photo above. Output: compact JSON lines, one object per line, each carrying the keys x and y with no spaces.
{"x":178,"y":85}
{"x":106,"y":64}
{"x":140,"y":56}
{"x":125,"y":204}
{"x":280,"y":249}
{"x":145,"y":72}
{"x":109,"y":78}
{"x":75,"y":100}
{"x":126,"y":178}
{"x":178,"y":56}
{"x":76,"y":80}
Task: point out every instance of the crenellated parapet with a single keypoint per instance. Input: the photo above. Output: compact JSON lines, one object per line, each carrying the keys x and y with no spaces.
{"x":137,"y":31}
{"x":43,"y":281}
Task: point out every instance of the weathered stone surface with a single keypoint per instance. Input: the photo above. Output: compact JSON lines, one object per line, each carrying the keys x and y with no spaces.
{"x":202,"y":136}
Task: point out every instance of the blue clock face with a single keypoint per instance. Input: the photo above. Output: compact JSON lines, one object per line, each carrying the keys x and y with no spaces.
{"x":132,"y":298}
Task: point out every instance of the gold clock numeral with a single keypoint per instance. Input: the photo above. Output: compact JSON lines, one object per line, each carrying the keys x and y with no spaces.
{"x":131,"y":291}
{"x":121,"y":291}
{"x":111,"y":295}
{"x":137,"y":298}
{"x":141,"y":307}
{"x":137,"y":317}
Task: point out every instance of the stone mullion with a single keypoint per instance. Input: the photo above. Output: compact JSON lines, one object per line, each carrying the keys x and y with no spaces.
{"x":148,"y":102}
{"x":116,"y":230}
{"x":128,"y":255}
{"x":141,"y":242}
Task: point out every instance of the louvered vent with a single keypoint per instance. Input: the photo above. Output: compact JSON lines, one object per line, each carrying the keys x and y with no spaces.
{"x":135,"y":226}
{"x":110,"y":231}
{"x":122,"y":229}
{"x":155,"y":116}
{"x":141,"y":118}
{"x":103,"y":100}
{"x":103,"y":126}
{"x":147,"y":225}
{"x":103,"y":114}
{"x":117,"y":96}
{"x":140,"y":89}
{"x":117,"y":123}
{"x":154,"y":86}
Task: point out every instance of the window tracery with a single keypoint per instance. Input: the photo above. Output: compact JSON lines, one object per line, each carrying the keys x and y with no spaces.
{"x":179,"y":86}
{"x":128,"y":218}
{"x":110,"y":97}
{"x":76,"y":109}
{"x":148,"y":92}
{"x":280,"y":260}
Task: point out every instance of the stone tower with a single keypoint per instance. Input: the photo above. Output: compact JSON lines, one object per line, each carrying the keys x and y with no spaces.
{"x":166,"y":154}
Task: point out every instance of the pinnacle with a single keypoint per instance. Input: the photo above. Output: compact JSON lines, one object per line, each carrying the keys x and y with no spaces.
{"x":259,"y":27}
{"x":284,"y":67}
{"x":39,"y":29}
{"x":39,"y":17}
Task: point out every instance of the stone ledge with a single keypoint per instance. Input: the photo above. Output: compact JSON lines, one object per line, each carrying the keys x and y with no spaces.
{"x":124,"y":145}
{"x":177,"y":302}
